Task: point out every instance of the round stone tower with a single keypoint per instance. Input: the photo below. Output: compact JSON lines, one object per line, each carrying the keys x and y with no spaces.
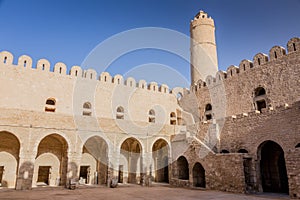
{"x":204,"y":59}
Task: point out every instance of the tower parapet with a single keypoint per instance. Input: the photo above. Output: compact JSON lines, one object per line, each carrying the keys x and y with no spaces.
{"x":204,"y":59}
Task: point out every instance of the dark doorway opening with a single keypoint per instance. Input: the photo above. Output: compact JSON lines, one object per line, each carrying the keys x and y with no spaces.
{"x":84,"y":171}
{"x":272,"y":168}
{"x":43,"y":174}
{"x":183,"y":168}
{"x":198,"y":175}
{"x":121,"y":174}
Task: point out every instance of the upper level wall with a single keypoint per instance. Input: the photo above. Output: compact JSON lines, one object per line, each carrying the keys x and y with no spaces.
{"x":277,"y":73}
{"x":27,"y":88}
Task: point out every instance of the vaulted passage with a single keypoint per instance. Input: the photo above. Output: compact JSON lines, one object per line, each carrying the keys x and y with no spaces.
{"x":183,"y":168}
{"x":198,"y":175}
{"x":51,"y":161}
{"x":94,"y":162}
{"x":9,"y":159}
{"x":160,"y":157}
{"x":272,"y":168}
{"x":130,"y":161}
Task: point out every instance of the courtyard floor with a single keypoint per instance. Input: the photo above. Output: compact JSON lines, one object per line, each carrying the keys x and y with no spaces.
{"x":131,"y":192}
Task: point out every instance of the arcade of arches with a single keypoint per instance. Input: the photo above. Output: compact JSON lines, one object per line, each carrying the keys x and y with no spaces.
{"x":51,"y":162}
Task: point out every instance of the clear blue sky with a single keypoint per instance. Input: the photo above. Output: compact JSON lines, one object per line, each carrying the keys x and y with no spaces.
{"x":65,"y":30}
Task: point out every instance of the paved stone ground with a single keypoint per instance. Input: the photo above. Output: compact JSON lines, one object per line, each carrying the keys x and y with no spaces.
{"x":130,"y":192}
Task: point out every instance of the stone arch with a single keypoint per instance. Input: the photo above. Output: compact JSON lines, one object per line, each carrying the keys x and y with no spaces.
{"x":199,"y":175}
{"x":260,"y":98}
{"x":276,"y":52}
{"x":25,"y":61}
{"x":178,"y":92}
{"x":183,"y":168}
{"x":94,"y":161}
{"x":273,"y":174}
{"x":87,"y":109}
{"x":43,"y":65}
{"x":131,"y":152}
{"x":120,"y":111}
{"x":160,"y":155}
{"x":6,"y":58}
{"x":9,"y":159}
{"x":51,"y":161}
{"x":208,"y":112}
{"x":260,"y":59}
{"x":76,"y":71}
{"x":60,"y":68}
{"x":293,"y":45}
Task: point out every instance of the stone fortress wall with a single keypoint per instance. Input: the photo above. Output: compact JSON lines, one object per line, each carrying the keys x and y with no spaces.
{"x":237,"y":131}
{"x":60,"y":121}
{"x":249,"y":125}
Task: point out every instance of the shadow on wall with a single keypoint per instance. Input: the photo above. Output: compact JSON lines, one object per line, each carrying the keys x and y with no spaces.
{"x":24,"y":179}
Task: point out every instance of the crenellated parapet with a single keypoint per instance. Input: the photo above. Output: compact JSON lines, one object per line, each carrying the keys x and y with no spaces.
{"x":276,"y":53}
{"x":60,"y":69}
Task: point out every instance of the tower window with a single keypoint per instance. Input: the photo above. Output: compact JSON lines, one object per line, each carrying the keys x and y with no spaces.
{"x":87,"y":109}
{"x":50,"y":105}
{"x":258,"y":60}
{"x":25,"y":63}
{"x":208,"y":112}
{"x":172,"y":118}
{"x":260,"y":98}
{"x":5,"y":60}
{"x":151,"y":117}
{"x":120,"y":113}
{"x":275,"y":54}
{"x":294,"y":46}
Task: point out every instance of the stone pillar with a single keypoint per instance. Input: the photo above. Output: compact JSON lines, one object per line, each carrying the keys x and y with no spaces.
{"x":25,"y":172}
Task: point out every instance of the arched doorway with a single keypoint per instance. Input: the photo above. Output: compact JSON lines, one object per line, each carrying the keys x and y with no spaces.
{"x":272,"y":168}
{"x":198,"y":175}
{"x":9,"y":159}
{"x":183,"y":168}
{"x":51,"y":162}
{"x":94,"y":163}
{"x":130,"y":161}
{"x":160,"y":152}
